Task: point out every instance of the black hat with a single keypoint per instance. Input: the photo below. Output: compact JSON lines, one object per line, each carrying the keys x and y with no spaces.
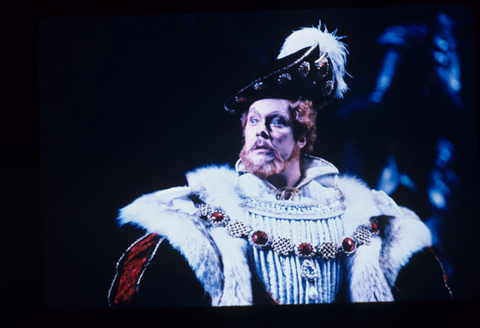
{"x":309,"y":73}
{"x":303,"y":75}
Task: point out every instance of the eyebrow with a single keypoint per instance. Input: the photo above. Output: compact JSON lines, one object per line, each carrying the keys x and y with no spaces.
{"x":253,"y":109}
{"x":285,"y":116}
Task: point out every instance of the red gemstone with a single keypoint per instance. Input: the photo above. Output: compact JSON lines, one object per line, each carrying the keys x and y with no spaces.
{"x":259,"y":238}
{"x":304,"y":69}
{"x":217,"y":217}
{"x":374,"y":227}
{"x":348,"y":245}
{"x":259,"y":86}
{"x":327,"y":90}
{"x":305,"y":249}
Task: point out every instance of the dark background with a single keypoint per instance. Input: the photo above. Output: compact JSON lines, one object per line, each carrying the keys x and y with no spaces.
{"x":129,"y":103}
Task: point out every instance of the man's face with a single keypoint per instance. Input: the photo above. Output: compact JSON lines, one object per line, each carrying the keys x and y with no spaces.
{"x":270,"y":144}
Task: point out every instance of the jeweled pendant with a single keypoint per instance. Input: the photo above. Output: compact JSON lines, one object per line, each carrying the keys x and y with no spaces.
{"x":308,"y":270}
{"x":312,"y":291}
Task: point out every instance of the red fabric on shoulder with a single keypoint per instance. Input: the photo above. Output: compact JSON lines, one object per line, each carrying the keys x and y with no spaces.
{"x":132,"y":265}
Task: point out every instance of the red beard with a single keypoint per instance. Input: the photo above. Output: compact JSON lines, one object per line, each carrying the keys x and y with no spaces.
{"x":268,"y":168}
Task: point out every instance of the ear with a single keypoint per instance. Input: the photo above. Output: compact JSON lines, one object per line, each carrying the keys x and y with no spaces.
{"x":301,"y":142}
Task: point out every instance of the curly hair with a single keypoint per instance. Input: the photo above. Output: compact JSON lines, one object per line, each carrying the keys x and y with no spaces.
{"x":305,"y":122}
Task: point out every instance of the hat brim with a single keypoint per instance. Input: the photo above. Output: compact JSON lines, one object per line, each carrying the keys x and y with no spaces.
{"x":306,"y":74}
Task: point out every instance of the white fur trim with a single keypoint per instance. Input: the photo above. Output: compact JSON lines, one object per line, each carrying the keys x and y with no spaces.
{"x":216,"y":185}
{"x":373,"y":270}
{"x":184,"y":233}
{"x":170,"y":213}
{"x":404,"y":237}
{"x":366,"y":279}
{"x":217,"y":188}
{"x":328,"y":42}
{"x":237,"y":288}
{"x":359,"y":202}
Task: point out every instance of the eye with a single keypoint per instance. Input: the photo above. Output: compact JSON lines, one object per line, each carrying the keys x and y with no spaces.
{"x":277,"y":121}
{"x":253,"y":120}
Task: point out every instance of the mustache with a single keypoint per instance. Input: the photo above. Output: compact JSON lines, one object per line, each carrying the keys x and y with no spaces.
{"x":263,"y":144}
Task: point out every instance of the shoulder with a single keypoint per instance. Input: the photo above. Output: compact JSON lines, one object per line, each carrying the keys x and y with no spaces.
{"x":174,"y":207}
{"x":210,"y":177}
{"x":168,"y":275}
{"x":356,"y":192}
{"x":172,"y":214}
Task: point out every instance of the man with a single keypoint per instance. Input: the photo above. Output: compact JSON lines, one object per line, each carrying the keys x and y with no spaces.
{"x":283,"y":227}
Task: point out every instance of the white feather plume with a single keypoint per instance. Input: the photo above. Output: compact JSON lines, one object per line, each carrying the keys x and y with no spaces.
{"x":328,"y":42}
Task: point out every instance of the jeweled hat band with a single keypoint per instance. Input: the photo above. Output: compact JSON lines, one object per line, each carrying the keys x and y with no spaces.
{"x":307,"y":75}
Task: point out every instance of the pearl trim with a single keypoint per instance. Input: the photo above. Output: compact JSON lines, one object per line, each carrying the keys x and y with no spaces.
{"x":331,"y":207}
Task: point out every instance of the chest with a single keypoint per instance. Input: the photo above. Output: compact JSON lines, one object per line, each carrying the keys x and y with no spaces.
{"x":293,"y":248}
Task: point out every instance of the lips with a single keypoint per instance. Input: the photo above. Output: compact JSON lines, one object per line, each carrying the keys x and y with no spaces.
{"x":261,"y":145}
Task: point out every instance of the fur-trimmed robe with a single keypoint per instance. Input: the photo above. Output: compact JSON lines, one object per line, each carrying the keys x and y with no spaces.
{"x":220,"y":263}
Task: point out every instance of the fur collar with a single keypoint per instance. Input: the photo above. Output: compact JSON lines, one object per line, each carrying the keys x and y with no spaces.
{"x":220,"y":262}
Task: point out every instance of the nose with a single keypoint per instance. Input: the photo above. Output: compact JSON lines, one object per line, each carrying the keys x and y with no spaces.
{"x":262,"y":131}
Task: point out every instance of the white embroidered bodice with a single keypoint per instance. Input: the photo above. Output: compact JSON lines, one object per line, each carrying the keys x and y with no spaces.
{"x":314,"y":216}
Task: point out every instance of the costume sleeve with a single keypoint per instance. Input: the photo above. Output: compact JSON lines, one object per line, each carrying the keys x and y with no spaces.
{"x":151,"y":274}
{"x":423,"y":278}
